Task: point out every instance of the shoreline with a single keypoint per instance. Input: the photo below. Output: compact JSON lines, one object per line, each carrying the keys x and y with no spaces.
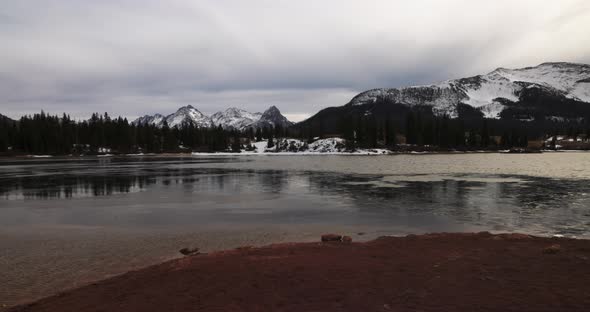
{"x":364,"y":153}
{"x":429,"y":272}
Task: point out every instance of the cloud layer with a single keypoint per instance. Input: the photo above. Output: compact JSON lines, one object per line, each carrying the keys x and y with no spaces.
{"x":131,"y":57}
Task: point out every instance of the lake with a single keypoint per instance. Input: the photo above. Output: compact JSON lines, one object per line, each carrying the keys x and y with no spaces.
{"x":67,"y":221}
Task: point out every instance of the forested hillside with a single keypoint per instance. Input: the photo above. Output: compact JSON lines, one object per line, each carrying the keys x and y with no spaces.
{"x":60,"y":135}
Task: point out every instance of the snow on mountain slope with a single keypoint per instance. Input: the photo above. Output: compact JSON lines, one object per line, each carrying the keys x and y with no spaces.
{"x":581,"y":90}
{"x":184,"y":115}
{"x":569,"y":79}
{"x":241,"y":119}
{"x":492,"y":110}
{"x":154,"y":120}
{"x":188,"y":115}
{"x":561,"y":76}
{"x":235,"y":118}
{"x":230,"y":118}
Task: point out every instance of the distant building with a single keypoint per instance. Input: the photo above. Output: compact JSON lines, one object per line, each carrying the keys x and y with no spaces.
{"x":400,"y":139}
{"x":535,"y":144}
{"x":496,"y":140}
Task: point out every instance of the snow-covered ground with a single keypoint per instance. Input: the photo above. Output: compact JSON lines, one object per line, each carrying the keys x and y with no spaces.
{"x":330,"y":146}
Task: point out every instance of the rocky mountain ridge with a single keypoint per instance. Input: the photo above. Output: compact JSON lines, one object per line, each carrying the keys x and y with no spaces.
{"x":231,"y":118}
{"x":491,"y":93}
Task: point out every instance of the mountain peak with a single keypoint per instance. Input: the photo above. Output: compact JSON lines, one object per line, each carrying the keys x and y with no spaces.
{"x":272,"y":117}
{"x":188,"y":115}
{"x":184,"y":115}
{"x":152,"y":120}
{"x":235,"y":118}
{"x":236,"y":111}
{"x":273,"y":110}
{"x":187,"y":108}
{"x":482,"y":92}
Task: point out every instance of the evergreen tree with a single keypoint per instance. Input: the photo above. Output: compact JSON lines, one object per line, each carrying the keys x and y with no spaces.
{"x":236,"y":146}
{"x":410,"y":129}
{"x":485,"y":135}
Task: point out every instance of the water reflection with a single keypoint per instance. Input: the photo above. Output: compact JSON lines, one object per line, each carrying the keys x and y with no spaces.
{"x":72,"y":186}
{"x":179,"y":190}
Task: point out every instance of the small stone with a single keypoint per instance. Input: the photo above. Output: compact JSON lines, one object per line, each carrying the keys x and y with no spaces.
{"x":553,"y":249}
{"x":189,"y":251}
{"x":484,"y":234}
{"x":331,"y":238}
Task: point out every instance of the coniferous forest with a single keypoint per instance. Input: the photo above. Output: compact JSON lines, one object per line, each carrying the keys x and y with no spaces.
{"x":44,"y":134}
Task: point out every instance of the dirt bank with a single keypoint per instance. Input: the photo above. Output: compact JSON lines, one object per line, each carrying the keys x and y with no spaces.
{"x":437,"y":272}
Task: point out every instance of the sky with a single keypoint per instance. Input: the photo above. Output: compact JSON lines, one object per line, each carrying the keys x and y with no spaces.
{"x":136,"y":57}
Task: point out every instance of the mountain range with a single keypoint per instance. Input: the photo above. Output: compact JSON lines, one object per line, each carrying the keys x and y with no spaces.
{"x":231,"y":118}
{"x":556,"y":91}
{"x":544,"y":93}
{"x":493,"y":92}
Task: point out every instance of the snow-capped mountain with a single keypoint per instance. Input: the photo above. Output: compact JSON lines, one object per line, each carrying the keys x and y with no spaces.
{"x":241,"y":119}
{"x":231,"y":118}
{"x":184,"y":115}
{"x":188,"y":115}
{"x":272,"y":117}
{"x":156,"y":120}
{"x":235,"y":118}
{"x":492,"y":92}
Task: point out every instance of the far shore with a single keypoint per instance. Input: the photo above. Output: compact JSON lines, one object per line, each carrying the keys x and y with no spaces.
{"x":430,"y":272}
{"x":380,"y":153}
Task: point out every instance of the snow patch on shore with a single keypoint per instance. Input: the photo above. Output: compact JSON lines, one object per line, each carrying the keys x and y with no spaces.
{"x":285,"y":147}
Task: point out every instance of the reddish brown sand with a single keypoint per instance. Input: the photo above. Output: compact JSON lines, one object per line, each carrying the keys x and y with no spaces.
{"x":437,"y":272}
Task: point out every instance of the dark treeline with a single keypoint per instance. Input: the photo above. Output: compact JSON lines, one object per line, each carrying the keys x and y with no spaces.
{"x":419,"y":130}
{"x":390,"y":127}
{"x":60,"y":135}
{"x":400,"y":128}
{"x":536,"y":116}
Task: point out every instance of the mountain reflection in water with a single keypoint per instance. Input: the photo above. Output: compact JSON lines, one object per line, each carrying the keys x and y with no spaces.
{"x":171,"y":191}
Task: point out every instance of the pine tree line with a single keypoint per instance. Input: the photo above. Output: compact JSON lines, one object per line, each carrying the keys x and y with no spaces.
{"x":60,"y":135}
{"x":55,"y":135}
{"x":422,"y":130}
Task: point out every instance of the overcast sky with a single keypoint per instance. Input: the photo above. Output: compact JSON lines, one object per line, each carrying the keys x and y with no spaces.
{"x":135,"y":57}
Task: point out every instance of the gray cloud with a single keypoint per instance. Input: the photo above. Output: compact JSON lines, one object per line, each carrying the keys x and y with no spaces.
{"x":132,"y":57}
